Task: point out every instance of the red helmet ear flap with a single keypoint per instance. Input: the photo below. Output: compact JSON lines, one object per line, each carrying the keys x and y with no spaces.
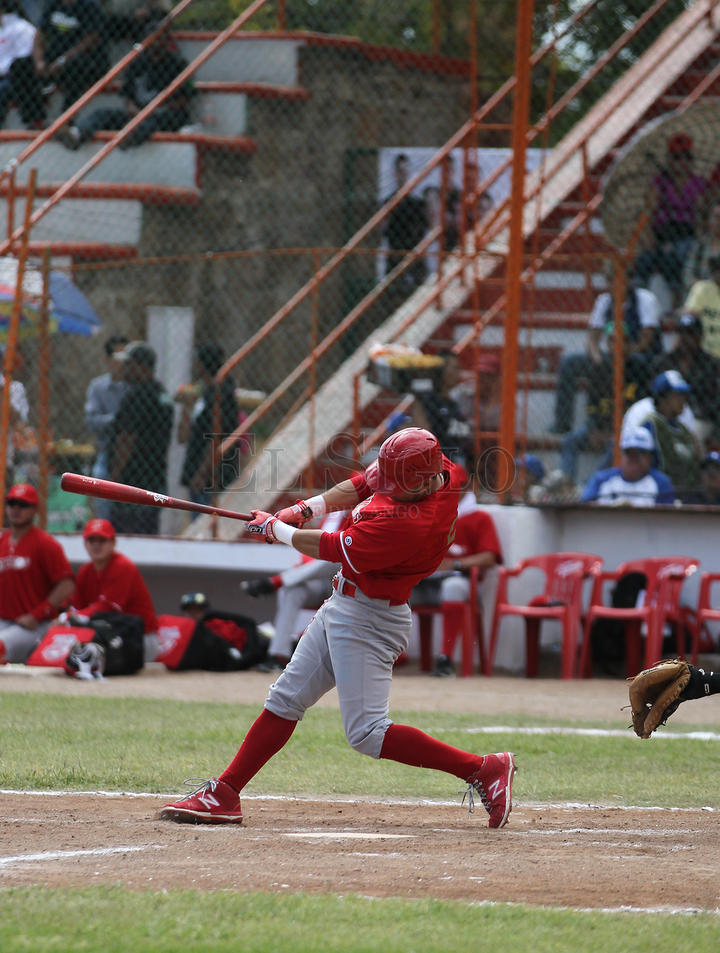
{"x":406,"y":459}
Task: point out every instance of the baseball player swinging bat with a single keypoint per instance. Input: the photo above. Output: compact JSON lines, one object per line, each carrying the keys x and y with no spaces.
{"x":122,"y":493}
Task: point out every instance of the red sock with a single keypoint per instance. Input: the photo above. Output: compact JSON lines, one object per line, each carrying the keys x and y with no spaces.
{"x":267,"y":735}
{"x":411,"y":746}
{"x":452,"y":623}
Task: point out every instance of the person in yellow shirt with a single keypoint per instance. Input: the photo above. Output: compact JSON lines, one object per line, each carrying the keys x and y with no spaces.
{"x":704,"y":301}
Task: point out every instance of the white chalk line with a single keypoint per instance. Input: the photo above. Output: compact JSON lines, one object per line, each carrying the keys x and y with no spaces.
{"x":368,"y":799}
{"x":68,"y":854}
{"x":587,"y":732}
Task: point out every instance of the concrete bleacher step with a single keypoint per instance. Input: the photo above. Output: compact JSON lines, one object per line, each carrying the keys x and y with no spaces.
{"x":247,"y":57}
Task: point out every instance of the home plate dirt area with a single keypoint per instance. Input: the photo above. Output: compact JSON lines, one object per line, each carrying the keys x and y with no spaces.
{"x":551,"y":856}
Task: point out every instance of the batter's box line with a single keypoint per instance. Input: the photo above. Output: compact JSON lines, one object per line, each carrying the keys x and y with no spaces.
{"x":368,"y":799}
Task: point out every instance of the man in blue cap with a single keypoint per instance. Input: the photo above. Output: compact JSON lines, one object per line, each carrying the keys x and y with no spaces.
{"x":677,"y":450}
{"x":635,"y":482}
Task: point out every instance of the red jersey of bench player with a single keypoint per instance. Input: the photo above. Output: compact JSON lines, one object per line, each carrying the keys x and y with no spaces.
{"x":391,"y":545}
{"x":29,"y":569}
{"x":475,"y":533}
{"x":118,"y":588}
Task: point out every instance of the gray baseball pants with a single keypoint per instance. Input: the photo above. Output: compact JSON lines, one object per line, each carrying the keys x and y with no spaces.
{"x":351,"y":644}
{"x":19,"y":641}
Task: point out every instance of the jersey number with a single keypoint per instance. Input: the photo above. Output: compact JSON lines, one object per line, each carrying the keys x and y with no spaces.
{"x":451,"y":534}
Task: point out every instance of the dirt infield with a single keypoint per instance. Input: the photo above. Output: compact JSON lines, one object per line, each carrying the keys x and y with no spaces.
{"x":569,"y":855}
{"x":557,"y":856}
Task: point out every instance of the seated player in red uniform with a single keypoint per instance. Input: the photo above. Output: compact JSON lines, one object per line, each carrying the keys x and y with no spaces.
{"x":476,"y":544}
{"x":404,"y":510}
{"x":35,"y":577}
{"x":110,"y":582}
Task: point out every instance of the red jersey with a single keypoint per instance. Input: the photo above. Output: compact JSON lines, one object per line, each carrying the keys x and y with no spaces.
{"x":29,"y":569}
{"x":391,"y":545}
{"x":118,"y":588}
{"x":475,"y":533}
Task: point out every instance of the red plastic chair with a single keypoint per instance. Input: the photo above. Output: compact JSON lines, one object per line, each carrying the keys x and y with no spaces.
{"x":665,"y":576}
{"x":561,"y":599}
{"x":472,"y":629}
{"x":696,"y":619}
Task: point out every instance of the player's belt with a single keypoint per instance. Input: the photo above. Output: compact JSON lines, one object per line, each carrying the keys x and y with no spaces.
{"x":349,"y":589}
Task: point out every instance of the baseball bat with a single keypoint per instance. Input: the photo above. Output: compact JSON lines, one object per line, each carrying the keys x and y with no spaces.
{"x":123,"y":493}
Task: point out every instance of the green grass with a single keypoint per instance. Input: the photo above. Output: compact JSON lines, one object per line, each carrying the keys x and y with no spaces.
{"x":97,"y":919}
{"x":148,"y":745}
{"x":58,"y":742}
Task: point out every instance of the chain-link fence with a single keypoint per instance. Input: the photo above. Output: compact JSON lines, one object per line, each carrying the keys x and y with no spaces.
{"x":332,"y":217}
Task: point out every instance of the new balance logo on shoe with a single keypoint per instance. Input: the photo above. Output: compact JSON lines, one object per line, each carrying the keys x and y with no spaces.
{"x":206,"y":798}
{"x":493,"y":782}
{"x":214,"y":802}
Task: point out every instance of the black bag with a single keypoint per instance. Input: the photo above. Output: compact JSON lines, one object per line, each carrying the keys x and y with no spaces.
{"x":123,"y":640}
{"x":210,"y":651}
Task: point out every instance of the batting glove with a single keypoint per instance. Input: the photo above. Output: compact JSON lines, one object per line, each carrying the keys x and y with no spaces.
{"x":258,"y":587}
{"x":262,"y":525}
{"x":296,"y":515}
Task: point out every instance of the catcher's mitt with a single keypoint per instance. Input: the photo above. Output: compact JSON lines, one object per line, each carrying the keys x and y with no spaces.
{"x":655,"y":694}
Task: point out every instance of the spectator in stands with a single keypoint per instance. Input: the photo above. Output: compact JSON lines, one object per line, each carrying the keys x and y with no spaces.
{"x":701,"y":371}
{"x":303,"y":586}
{"x":476,"y":544}
{"x":703,"y":300}
{"x":102,"y":399}
{"x":529,"y":476}
{"x":439,"y":412}
{"x":676,"y":209}
{"x":709,"y":492}
{"x":110,"y":582}
{"x":71,"y":50}
{"x":704,"y":247}
{"x":208,"y":414}
{"x":35,"y":577}
{"x":19,"y":409}
{"x":18,"y":81}
{"x":405,"y":227}
{"x":677,"y":449}
{"x":635,"y":482}
{"x":453,"y":206}
{"x":129,"y":20}
{"x":140,"y":439}
{"x":143,"y":80}
{"x":641,"y":324}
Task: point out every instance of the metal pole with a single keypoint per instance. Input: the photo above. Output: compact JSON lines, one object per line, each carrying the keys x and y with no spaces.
{"x":521,"y":113}
{"x":44,"y":390}
{"x":13,"y":328}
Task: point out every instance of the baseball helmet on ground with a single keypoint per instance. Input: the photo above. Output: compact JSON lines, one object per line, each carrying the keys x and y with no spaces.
{"x":85,"y":660}
{"x":406,"y":459}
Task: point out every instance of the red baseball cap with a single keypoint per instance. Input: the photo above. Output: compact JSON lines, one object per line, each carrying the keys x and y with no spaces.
{"x":97,"y":527}
{"x":23,"y":491}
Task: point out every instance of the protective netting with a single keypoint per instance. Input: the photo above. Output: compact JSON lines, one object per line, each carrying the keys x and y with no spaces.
{"x":288,"y":336}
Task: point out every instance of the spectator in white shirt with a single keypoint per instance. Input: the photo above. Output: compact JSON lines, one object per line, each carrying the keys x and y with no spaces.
{"x":18,"y":81}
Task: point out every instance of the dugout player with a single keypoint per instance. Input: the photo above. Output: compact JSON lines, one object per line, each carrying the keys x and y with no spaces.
{"x":404,"y":510}
{"x":476,"y":545}
{"x":110,"y":582}
{"x":35,"y":576}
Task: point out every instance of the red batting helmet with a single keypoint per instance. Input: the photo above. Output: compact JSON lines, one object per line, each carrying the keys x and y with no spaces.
{"x":406,"y":459}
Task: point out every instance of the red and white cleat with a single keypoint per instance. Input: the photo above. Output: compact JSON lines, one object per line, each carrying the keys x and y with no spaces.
{"x":214,"y":802}
{"x":493,"y":782}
